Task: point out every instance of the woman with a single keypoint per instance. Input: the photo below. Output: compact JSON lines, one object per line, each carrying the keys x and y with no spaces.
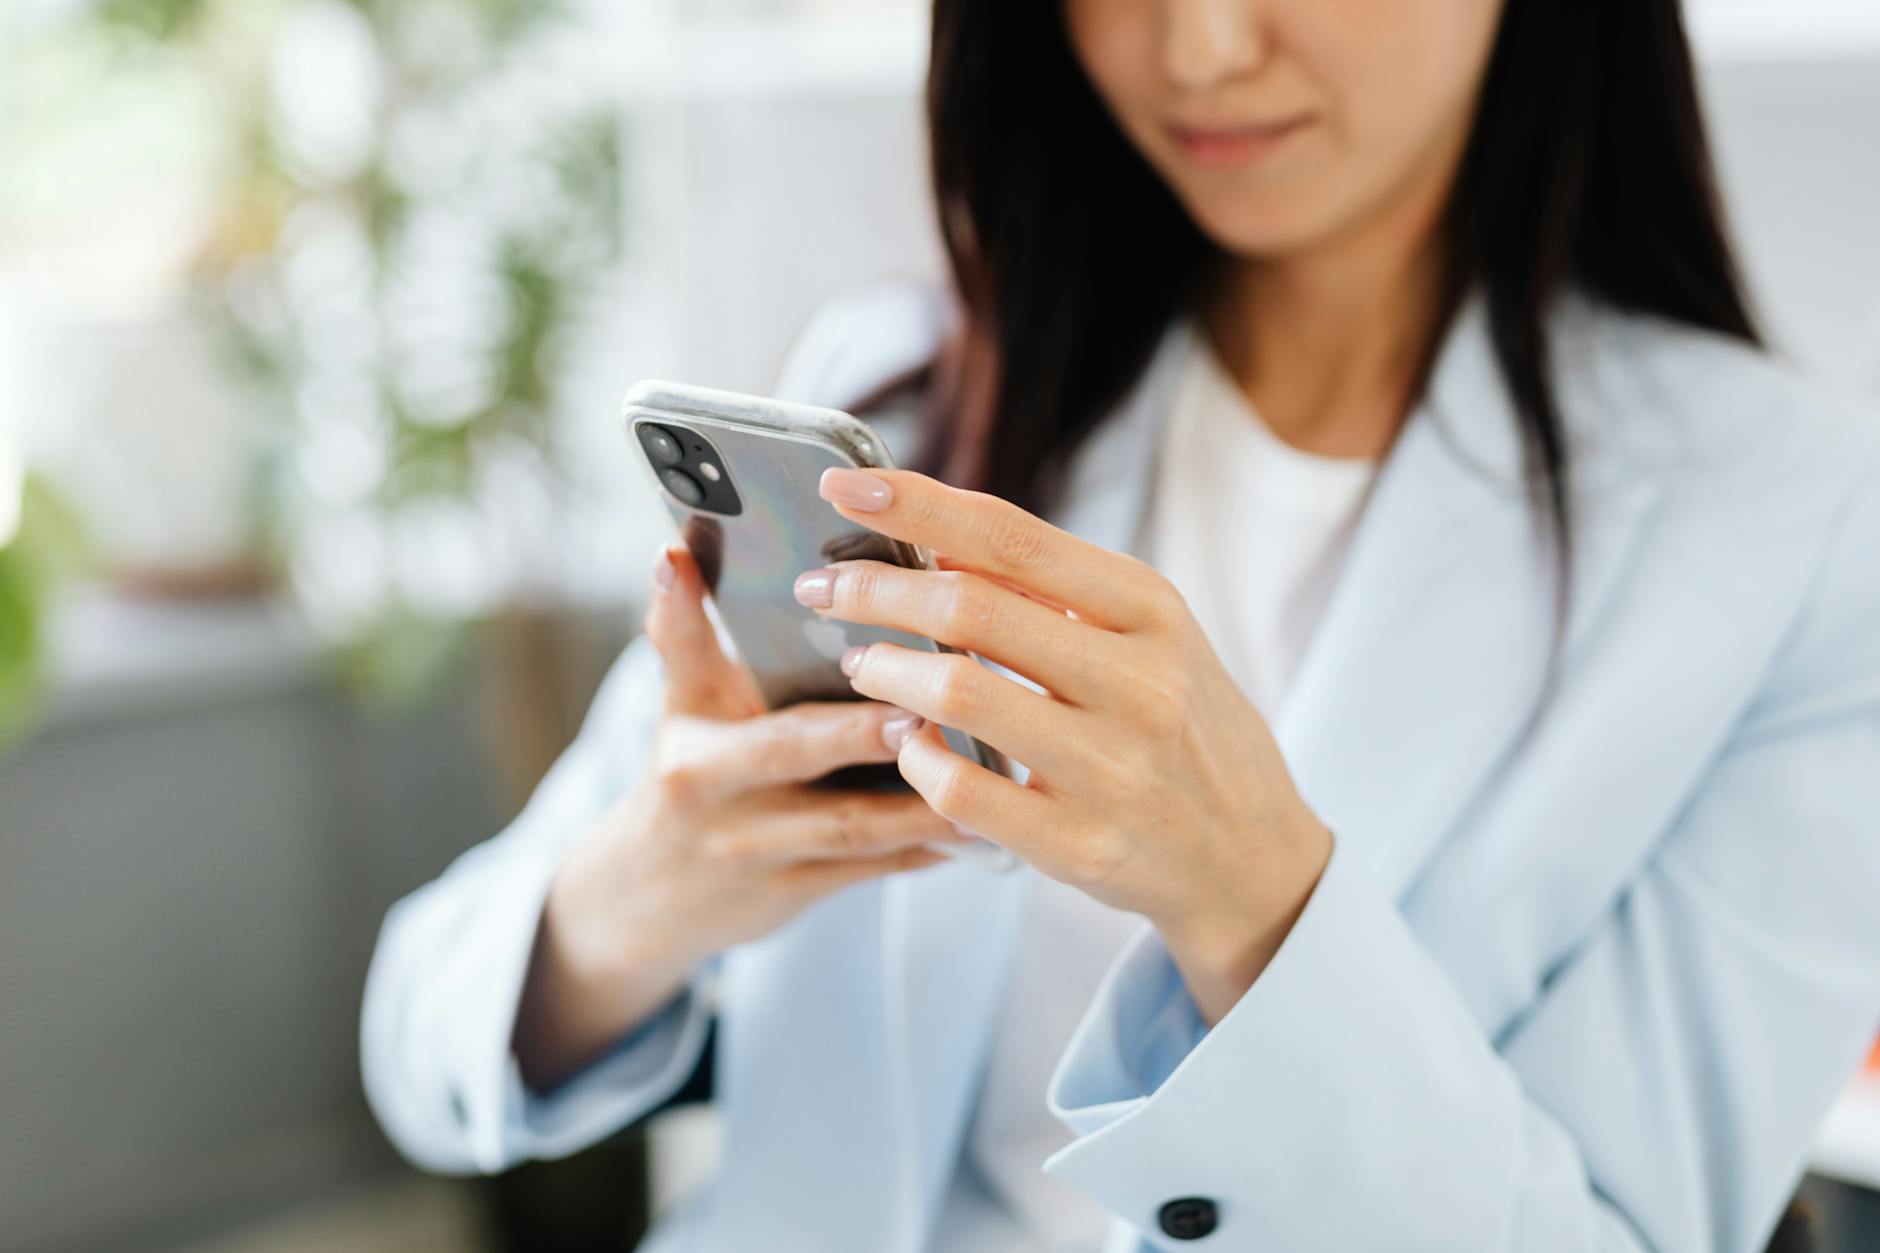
{"x":1453,"y":714}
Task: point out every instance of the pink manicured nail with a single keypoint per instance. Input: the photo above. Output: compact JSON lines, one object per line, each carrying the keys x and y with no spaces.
{"x":663,"y":569}
{"x":816,"y":589}
{"x":853,"y":489}
{"x":894,"y":731}
{"x":852,"y":659}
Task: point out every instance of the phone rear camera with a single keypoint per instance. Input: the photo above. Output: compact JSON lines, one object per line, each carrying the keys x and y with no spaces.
{"x":689,"y":468}
{"x":682,"y":485}
{"x":662,"y":446}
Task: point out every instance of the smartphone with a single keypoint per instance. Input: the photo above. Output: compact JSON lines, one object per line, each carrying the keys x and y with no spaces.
{"x":739,"y":476}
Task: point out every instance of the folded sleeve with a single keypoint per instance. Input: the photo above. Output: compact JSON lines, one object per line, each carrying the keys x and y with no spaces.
{"x":447,"y":975}
{"x":441,"y":998}
{"x":1659,"y":1092}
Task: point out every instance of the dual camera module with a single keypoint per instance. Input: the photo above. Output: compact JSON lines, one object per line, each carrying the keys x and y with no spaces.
{"x":689,"y":467}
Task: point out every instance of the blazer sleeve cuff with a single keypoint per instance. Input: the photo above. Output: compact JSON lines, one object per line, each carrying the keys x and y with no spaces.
{"x":1279,"y":1113}
{"x":630,"y":1079}
{"x":499,"y":1121}
{"x":1137,"y":1031}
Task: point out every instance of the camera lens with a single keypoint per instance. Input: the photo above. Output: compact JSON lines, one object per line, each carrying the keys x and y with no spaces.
{"x":682,"y":485}
{"x":661,"y":445}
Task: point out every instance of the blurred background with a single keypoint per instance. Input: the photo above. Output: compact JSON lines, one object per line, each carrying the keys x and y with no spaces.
{"x":316,"y":533}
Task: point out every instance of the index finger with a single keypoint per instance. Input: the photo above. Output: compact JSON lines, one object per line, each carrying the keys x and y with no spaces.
{"x":700,"y":679}
{"x":994,"y":537}
{"x":795,"y":745}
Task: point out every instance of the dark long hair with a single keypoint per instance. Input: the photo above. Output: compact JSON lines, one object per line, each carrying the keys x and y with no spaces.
{"x":1587,"y":168}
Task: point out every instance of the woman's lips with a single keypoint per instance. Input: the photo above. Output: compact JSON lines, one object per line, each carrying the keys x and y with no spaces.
{"x":1239,"y":145}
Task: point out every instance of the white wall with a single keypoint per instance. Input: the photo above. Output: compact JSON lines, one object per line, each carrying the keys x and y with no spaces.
{"x":778,"y":164}
{"x":783,"y":165}
{"x":771,"y":166}
{"x":1798,"y":140}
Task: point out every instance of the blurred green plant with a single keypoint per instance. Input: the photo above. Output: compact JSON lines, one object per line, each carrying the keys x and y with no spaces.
{"x":535,"y":262}
{"x":47,"y":550}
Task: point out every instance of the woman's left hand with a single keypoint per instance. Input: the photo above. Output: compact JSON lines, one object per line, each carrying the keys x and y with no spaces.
{"x":1155,"y":786}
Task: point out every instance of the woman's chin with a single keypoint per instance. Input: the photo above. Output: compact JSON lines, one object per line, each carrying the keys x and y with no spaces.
{"x":1263,"y":228}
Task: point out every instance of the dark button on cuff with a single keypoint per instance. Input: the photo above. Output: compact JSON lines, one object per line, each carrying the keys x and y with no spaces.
{"x":1188,"y":1218}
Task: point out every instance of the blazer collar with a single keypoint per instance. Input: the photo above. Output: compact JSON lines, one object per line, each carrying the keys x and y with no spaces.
{"x":950,"y":933}
{"x":1432,"y":656}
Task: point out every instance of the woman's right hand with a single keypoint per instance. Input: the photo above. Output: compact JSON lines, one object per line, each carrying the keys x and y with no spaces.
{"x":722,"y":841}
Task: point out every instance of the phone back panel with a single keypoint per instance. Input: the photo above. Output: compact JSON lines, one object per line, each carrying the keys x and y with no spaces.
{"x":774,"y":455}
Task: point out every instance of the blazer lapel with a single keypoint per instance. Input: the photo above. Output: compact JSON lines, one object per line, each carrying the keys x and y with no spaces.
{"x":803,"y":1054}
{"x":1421,"y":674}
{"x":1432,"y":653}
{"x":949,"y":933}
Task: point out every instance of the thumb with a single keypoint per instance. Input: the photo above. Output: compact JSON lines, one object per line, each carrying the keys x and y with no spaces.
{"x":700,"y":679}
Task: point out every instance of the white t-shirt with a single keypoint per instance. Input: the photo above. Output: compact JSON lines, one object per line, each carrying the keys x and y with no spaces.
{"x":1252,"y":531}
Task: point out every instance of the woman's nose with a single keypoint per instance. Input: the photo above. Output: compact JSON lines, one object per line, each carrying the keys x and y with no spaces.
{"x":1207,"y":42}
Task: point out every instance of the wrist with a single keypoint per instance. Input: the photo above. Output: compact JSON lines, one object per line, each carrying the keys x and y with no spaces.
{"x":591,"y":981}
{"x":1221,"y":949}
{"x":608,"y":946}
{"x":1219,"y":966}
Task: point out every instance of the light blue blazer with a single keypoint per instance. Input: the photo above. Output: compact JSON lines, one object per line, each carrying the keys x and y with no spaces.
{"x":1588,"y":984}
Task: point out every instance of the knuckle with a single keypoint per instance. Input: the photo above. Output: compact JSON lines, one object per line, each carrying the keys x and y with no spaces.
{"x":1095,"y":858}
{"x":948,"y":792}
{"x":958,"y":688}
{"x":1134,"y":776}
{"x":927,"y":509}
{"x":798,"y":757}
{"x":1144,"y":574}
{"x":860,"y":585}
{"x":1017,"y":540}
{"x":1162,"y":700}
{"x":842,"y":831}
{"x":1165,"y":601}
{"x":1154,"y":593}
{"x":856,"y":732}
{"x":865,"y":742}
{"x":721,"y":849}
{"x":968,"y":610}
{"x":679,"y":782}
{"x":821,"y":738}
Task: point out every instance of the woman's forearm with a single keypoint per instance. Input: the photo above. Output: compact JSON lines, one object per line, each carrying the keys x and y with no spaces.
{"x":580,"y":997}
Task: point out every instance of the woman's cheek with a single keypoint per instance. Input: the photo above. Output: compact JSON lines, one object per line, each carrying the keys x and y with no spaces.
{"x":1400,"y":80}
{"x":1118,"y":45}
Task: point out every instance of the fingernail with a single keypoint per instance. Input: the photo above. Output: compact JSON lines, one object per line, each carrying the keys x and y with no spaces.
{"x":816,"y":589}
{"x":852,"y":489}
{"x":852,"y":659}
{"x":663,"y":569}
{"x":894,"y":731}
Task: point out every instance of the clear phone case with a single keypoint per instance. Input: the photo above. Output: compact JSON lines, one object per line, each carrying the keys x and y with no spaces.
{"x":771,"y":455}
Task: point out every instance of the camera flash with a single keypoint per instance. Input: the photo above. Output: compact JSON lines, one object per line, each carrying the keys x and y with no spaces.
{"x":709,"y":470}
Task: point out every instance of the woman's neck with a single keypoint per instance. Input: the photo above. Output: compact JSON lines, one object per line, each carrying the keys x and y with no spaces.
{"x":1330,"y":345}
